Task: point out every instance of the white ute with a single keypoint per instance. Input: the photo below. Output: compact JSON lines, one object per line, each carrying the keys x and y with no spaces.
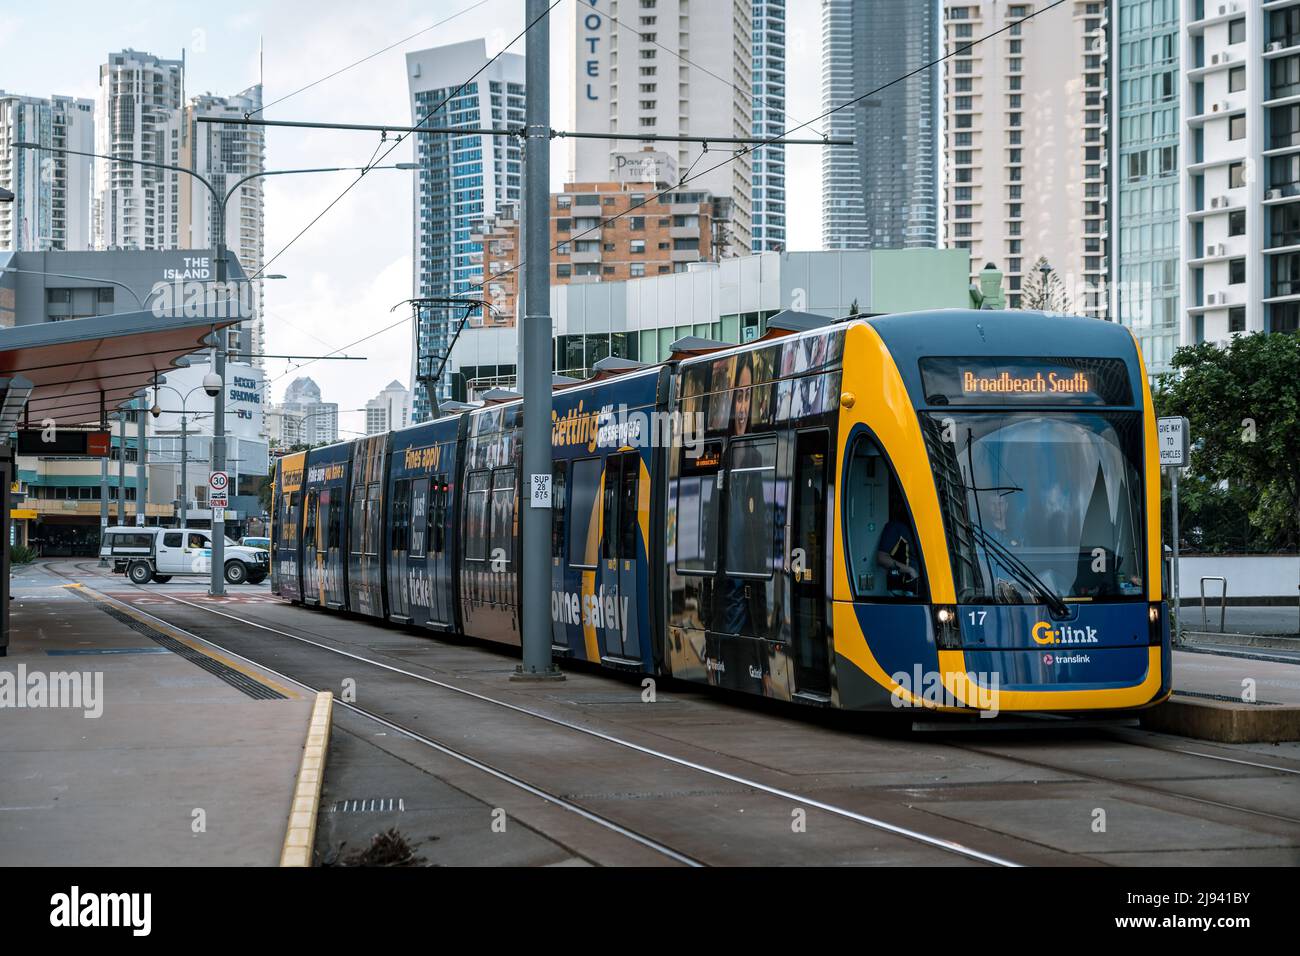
{"x":158,"y":554}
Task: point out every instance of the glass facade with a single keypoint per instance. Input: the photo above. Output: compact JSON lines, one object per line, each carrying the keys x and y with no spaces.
{"x":895,"y":165}
{"x":1147,"y":209}
{"x":461,"y":180}
{"x":768,"y":210}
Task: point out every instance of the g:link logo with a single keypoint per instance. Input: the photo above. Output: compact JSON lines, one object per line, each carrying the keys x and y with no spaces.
{"x":1043,"y":633}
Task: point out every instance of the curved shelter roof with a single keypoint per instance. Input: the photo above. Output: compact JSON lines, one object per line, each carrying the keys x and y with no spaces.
{"x":68,"y":371}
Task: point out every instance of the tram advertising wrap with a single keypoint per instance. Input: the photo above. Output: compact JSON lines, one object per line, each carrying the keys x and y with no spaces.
{"x":950,"y":510}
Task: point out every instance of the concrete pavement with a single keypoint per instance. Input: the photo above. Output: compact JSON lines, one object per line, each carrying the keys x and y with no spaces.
{"x":161,"y":752}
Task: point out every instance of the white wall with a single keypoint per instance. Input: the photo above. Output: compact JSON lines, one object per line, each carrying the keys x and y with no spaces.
{"x":1248,"y":576}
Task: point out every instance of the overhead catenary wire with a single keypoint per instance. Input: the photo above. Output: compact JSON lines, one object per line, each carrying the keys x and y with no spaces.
{"x":401,"y":138}
{"x":963,"y":48}
{"x":330,"y":76}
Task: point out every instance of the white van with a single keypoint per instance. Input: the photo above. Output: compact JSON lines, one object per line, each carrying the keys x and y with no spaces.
{"x":156,"y":554}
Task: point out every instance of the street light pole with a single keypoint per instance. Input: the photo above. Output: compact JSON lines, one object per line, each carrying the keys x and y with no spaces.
{"x":535,"y":355}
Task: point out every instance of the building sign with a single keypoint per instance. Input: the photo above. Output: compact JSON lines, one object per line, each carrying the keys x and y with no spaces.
{"x":647,"y":166}
{"x":64,"y":442}
{"x":590,"y":27}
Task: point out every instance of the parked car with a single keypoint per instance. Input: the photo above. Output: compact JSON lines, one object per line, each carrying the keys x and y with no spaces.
{"x":255,"y":542}
{"x":158,"y":554}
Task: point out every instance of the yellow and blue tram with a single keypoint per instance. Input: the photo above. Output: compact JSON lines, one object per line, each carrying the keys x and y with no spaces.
{"x":951,"y":510}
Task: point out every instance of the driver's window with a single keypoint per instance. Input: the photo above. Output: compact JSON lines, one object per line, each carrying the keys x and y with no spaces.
{"x":884,"y":557}
{"x":198,"y":541}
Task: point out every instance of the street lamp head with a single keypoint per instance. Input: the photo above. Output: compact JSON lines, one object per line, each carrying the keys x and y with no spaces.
{"x":212,"y":384}
{"x":406,"y":165}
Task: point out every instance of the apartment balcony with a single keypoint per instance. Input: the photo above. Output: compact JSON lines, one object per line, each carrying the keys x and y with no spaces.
{"x":684,"y":232}
{"x":686,"y":255}
{"x":586,"y":257}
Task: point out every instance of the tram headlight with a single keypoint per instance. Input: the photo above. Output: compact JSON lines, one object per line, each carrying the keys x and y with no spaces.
{"x":1156,"y":629}
{"x":947,"y":633}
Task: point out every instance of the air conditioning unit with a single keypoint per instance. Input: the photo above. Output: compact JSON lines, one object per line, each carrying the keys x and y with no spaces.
{"x":1214,"y":60}
{"x":1275,"y":46}
{"x":1273,"y":194}
{"x":1219,"y":202}
{"x":1215,"y":298}
{"x":1215,"y":249}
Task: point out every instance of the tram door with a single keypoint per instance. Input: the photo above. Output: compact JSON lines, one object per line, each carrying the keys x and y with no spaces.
{"x":307,"y":549}
{"x":619,"y":553}
{"x":808,"y":580}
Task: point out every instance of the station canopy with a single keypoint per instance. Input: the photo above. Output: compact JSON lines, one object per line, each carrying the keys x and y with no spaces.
{"x":68,"y":371}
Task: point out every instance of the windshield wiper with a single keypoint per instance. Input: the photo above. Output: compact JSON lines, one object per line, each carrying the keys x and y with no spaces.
{"x":1023,"y":571}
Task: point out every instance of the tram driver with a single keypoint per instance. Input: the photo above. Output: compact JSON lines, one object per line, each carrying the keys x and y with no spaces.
{"x":896,"y":552}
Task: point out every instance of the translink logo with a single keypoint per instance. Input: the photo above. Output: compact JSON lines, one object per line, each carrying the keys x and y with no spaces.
{"x":1044,"y":633}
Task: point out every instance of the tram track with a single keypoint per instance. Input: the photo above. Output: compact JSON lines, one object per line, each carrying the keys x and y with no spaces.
{"x":780,"y":793}
{"x":794,"y":799}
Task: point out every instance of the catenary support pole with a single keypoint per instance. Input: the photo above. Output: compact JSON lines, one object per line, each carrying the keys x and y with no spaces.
{"x":121,"y":468}
{"x":535,"y":356}
{"x":217,"y":585}
{"x":141,"y":467}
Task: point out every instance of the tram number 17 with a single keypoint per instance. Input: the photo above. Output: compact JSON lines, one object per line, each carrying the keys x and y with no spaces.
{"x":977,"y":618}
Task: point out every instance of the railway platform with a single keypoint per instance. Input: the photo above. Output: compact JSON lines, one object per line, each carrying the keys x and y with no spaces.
{"x":128,"y":743}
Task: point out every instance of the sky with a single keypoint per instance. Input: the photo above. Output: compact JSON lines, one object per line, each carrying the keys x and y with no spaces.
{"x":348,"y":270}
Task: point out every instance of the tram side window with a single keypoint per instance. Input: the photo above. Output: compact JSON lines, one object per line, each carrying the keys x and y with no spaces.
{"x":586,"y":486}
{"x":609,"y":507}
{"x":559,"y":476}
{"x":751,"y":507}
{"x":628,"y":504}
{"x":335,"y":532}
{"x":503,"y":515}
{"x":373,"y":501}
{"x":437,"y":506}
{"x":290,"y":526}
{"x":697,"y":521}
{"x":356,"y":544}
{"x":884,"y":559}
{"x":476,"y":516}
{"x":419,"y":516}
{"x":400,"y":538}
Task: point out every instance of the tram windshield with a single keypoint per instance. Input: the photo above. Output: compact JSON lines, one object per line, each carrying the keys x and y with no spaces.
{"x":1041,"y":508}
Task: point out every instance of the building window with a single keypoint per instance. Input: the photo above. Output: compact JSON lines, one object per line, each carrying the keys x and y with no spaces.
{"x":563,"y":270}
{"x":637,"y":269}
{"x":1237,"y":222}
{"x":1236,"y":175}
{"x":1237,"y":319}
{"x":637,"y":246}
{"x":1237,"y":30}
{"x":1237,"y":127}
{"x":1236,"y":79}
{"x":1236,"y":271}
{"x":563,"y":225}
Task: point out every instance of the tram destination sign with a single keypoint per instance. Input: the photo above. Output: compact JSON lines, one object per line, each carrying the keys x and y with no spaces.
{"x":982,"y":380}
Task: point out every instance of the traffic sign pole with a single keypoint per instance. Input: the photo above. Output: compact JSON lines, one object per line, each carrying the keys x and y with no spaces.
{"x":1173,"y":437}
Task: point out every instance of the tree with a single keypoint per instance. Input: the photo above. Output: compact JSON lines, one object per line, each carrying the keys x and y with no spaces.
{"x":1242,"y":403}
{"x":1044,"y":292}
